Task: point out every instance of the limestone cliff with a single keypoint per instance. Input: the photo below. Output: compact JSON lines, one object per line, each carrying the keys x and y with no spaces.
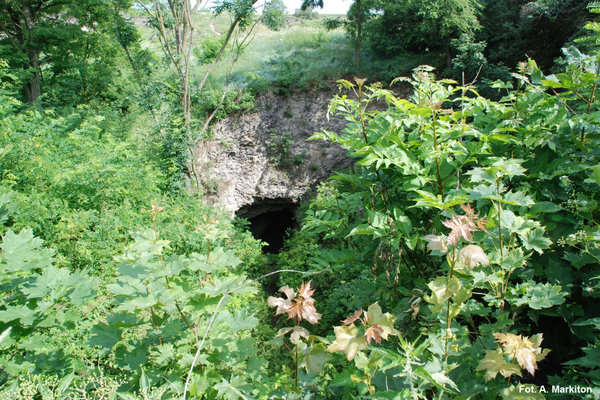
{"x":261,"y":157}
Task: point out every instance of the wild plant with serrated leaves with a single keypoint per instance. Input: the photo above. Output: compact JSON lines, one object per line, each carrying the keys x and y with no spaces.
{"x":39,"y":301}
{"x":162,"y":307}
{"x":308,"y":350}
{"x":445,"y":147}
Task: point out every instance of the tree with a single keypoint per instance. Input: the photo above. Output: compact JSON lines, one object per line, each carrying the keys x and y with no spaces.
{"x":20,"y":22}
{"x":273,"y":15}
{"x":358,"y":14}
{"x":63,"y":33}
{"x":173,"y":20}
{"x":449,"y":19}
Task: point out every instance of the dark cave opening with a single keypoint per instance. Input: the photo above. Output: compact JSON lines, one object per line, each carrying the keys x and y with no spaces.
{"x":270,"y":221}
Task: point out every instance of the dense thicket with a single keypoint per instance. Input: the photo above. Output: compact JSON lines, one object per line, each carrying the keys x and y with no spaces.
{"x":465,"y":35}
{"x":457,"y":259}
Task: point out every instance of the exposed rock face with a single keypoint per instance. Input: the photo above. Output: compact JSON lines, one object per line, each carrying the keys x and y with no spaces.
{"x":262,"y":157}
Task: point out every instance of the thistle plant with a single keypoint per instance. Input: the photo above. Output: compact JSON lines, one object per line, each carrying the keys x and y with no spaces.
{"x":298,"y":306}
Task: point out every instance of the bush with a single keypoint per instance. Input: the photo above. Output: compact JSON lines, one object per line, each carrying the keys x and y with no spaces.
{"x":273,"y":15}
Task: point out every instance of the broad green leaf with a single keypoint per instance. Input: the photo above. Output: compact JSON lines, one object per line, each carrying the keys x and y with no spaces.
{"x":6,"y":205}
{"x":231,"y":390}
{"x":482,"y":174}
{"x":402,"y":222}
{"x":5,"y":337}
{"x":443,"y":380}
{"x":595,"y":176}
{"x":536,"y":295}
{"x":64,"y":384}
{"x":147,"y":242}
{"x":84,"y":287}
{"x":22,"y":252}
{"x":51,"y":280}
{"x":164,"y":353}
{"x":545,"y":207}
{"x":517,"y":199}
{"x":105,"y":335}
{"x":363,"y":229}
{"x":199,"y":385}
{"x":591,"y":359}
{"x":223,"y":259}
{"x":144,"y":383}
{"x":19,"y":312}
{"x":315,"y":358}
{"x":241,"y":320}
{"x":132,"y":359}
{"x":534,"y":240}
{"x":591,"y":321}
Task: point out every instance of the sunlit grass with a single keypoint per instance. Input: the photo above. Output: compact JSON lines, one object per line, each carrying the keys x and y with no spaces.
{"x":303,"y":54}
{"x":296,"y":56}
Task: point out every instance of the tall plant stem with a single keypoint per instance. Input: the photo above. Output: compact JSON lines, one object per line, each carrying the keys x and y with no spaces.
{"x":448,"y":319}
{"x":499,"y":217}
{"x":363,"y":127}
{"x":164,"y":268}
{"x":296,"y":376}
{"x":440,"y":184}
{"x":582,"y":138}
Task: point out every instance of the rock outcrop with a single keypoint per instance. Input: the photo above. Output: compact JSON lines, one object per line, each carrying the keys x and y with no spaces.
{"x":261,"y":158}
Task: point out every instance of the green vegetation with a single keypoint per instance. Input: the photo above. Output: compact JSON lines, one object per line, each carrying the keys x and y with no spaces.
{"x":457,"y":259}
{"x":273,"y":15}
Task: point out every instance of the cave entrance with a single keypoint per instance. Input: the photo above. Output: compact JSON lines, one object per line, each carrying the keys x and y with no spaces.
{"x":270,"y":220}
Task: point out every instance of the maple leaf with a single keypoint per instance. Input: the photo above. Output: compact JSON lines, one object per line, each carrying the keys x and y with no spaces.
{"x":297,"y":306}
{"x":373,"y":332}
{"x":526,"y":351}
{"x":305,"y":291}
{"x":353,"y":317}
{"x":346,"y":340}
{"x":460,"y":226}
{"x":385,"y":322}
{"x":283,"y":305}
{"x":509,"y":341}
{"x":298,"y":332}
{"x":470,"y":211}
{"x":526,"y":359}
{"x":439,"y":243}
{"x":540,"y":353}
{"x":493,"y":363}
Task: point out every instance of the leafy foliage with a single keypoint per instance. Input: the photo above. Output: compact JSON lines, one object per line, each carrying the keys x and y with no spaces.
{"x":273,"y":15}
{"x":472,"y":222}
{"x":417,"y":161}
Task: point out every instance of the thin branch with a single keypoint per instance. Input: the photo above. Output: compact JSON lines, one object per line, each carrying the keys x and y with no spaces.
{"x":196,"y":6}
{"x":161,"y":29}
{"x":212,"y":65}
{"x":564,"y":102}
{"x":212,"y":115}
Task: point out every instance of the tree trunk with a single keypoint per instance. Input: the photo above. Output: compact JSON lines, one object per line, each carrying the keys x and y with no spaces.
{"x":33,"y":87}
